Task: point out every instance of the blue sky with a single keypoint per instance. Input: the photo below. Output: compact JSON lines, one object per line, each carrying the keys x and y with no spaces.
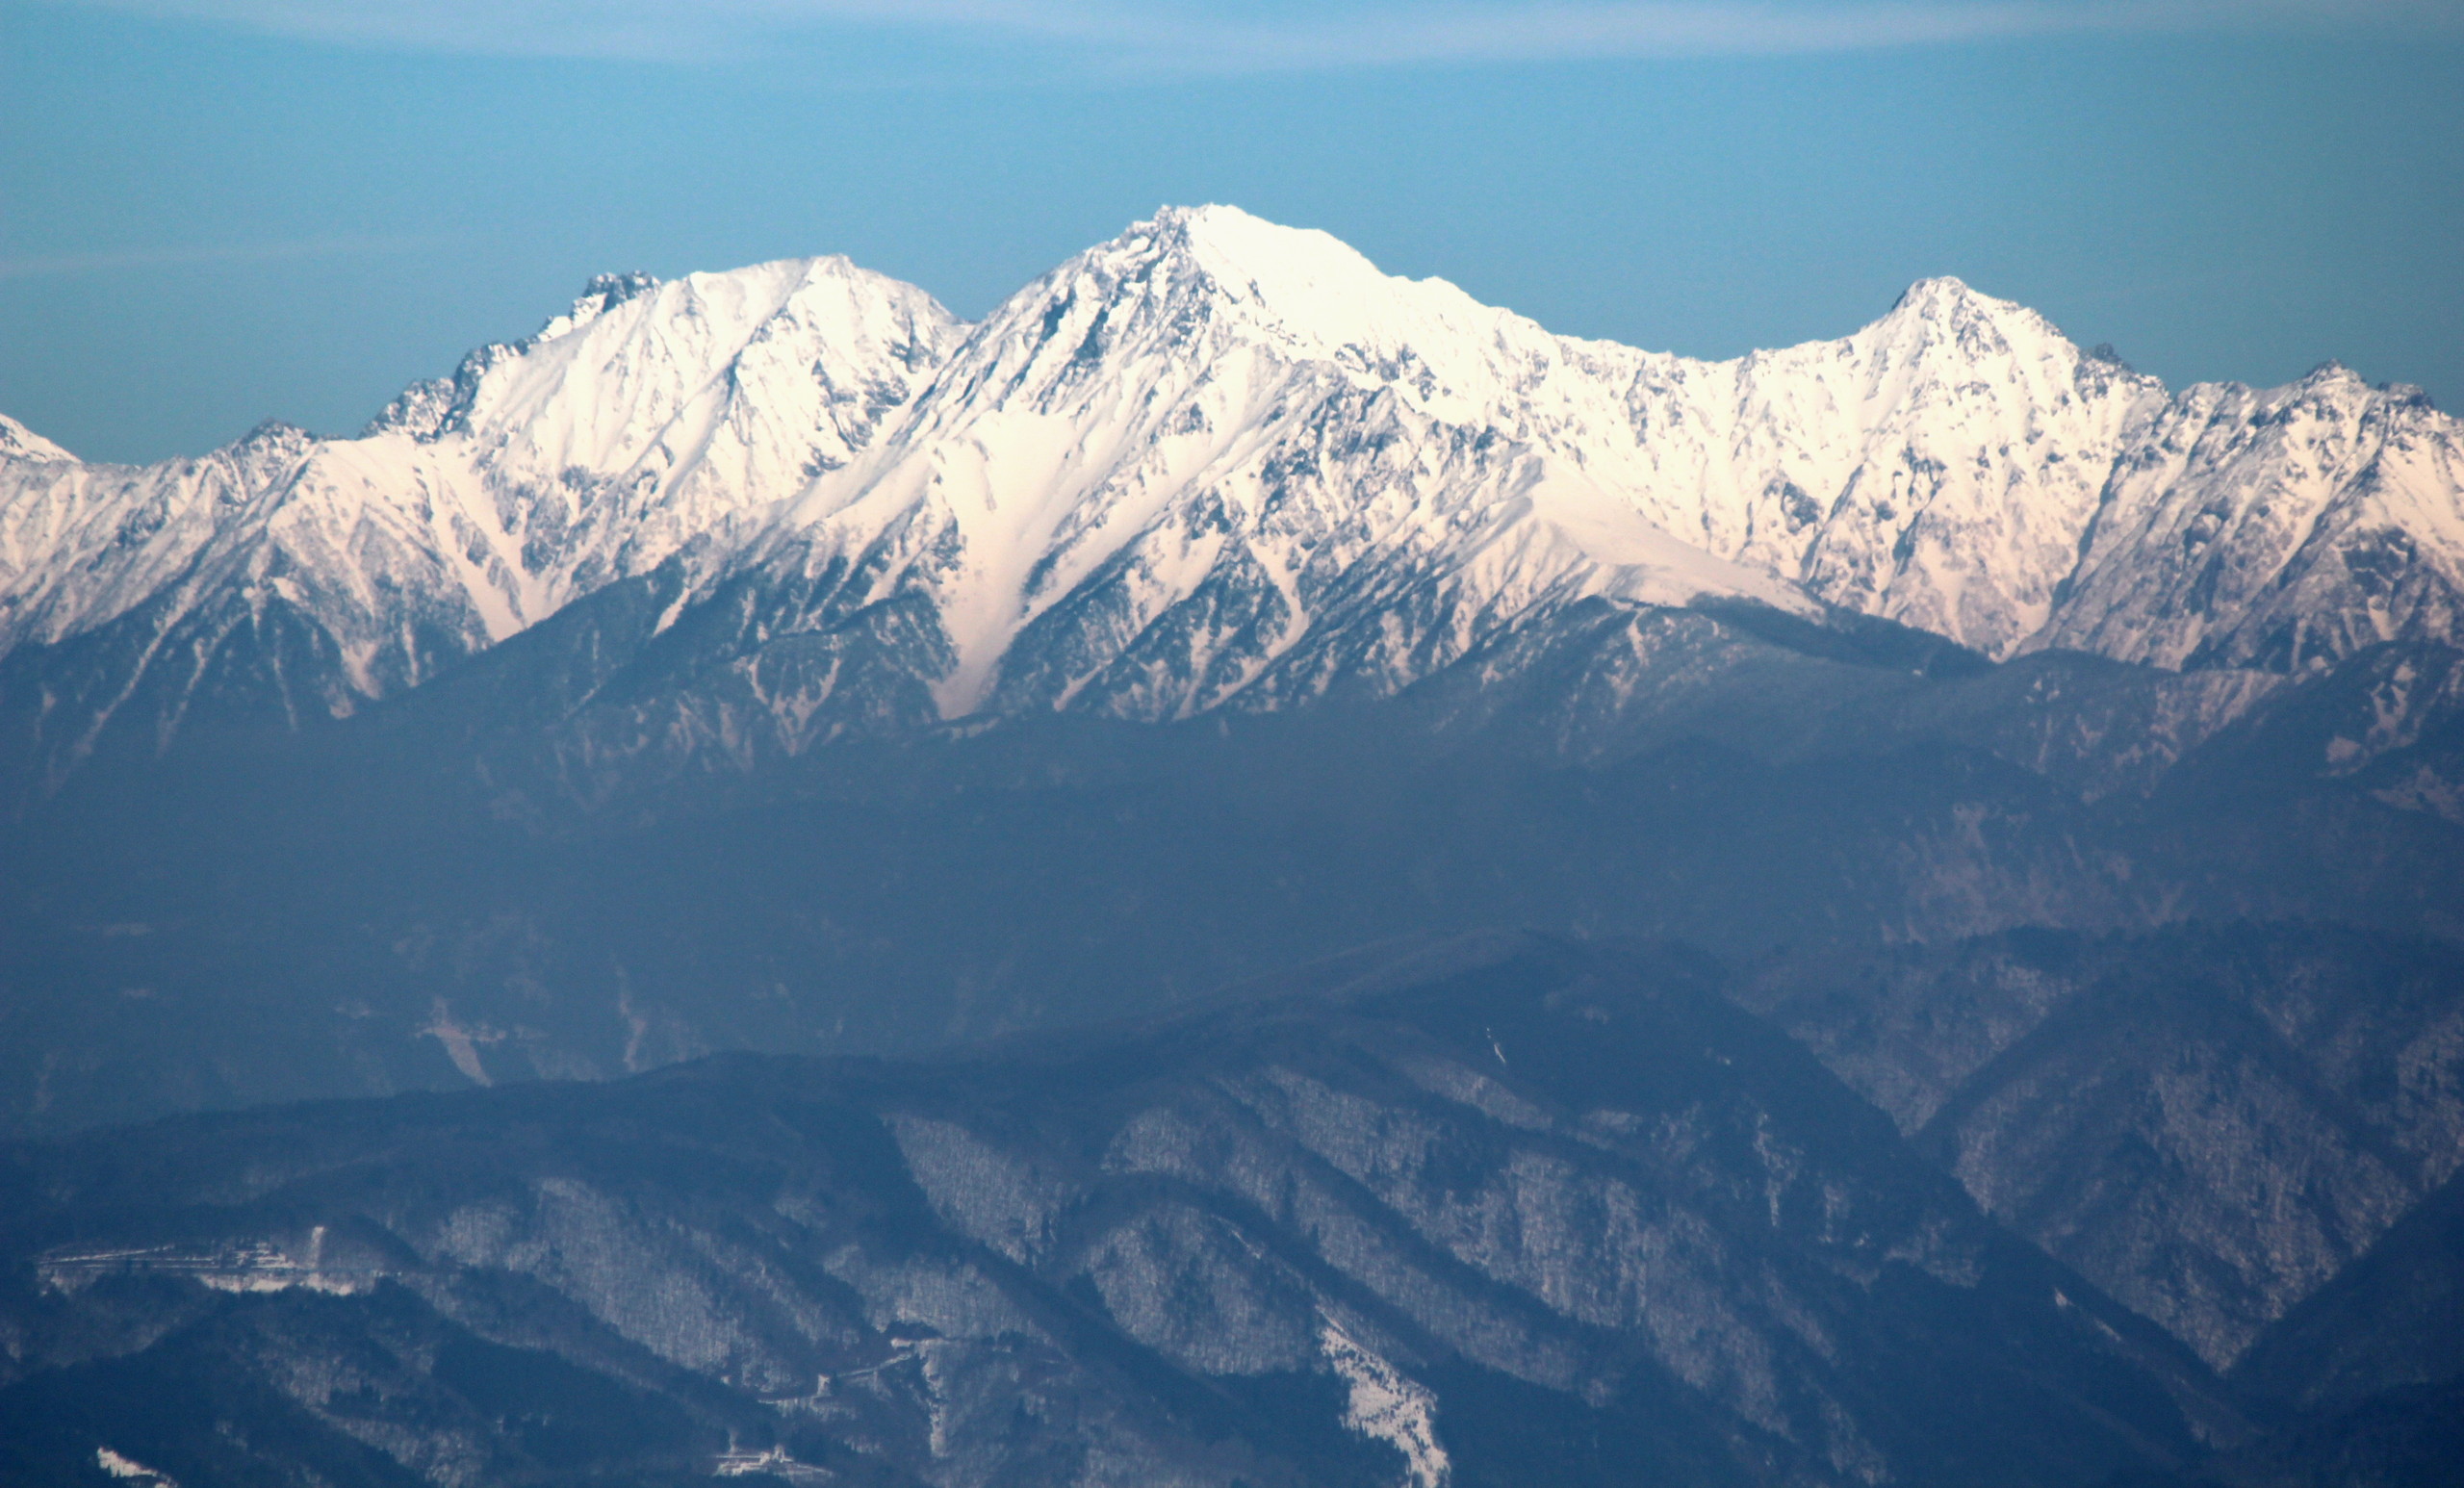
{"x":214,"y":211}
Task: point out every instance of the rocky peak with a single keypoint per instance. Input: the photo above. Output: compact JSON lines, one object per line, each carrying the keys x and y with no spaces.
{"x":21,"y":443}
{"x":1948,"y":330}
{"x":605,"y":291}
{"x":1199,"y":284}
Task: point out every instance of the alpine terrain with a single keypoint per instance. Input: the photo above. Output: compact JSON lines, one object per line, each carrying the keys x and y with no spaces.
{"x":1249,"y":872}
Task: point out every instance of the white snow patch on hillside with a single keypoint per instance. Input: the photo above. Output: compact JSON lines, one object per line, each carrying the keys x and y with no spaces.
{"x":130,"y":1470}
{"x":1388,"y":1406}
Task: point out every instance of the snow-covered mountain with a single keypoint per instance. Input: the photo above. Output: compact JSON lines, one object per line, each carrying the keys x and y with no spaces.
{"x":2075,"y":768}
{"x":2281,"y":529}
{"x":1213,"y":462}
{"x":303,"y":576}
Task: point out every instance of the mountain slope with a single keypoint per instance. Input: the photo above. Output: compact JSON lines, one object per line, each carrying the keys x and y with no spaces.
{"x":2393,"y":1320}
{"x":290,"y":579}
{"x":2280,"y":528}
{"x":2210,"y":1124}
{"x":1497,"y":1212}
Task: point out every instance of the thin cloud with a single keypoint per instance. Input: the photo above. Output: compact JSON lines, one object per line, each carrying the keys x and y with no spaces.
{"x":1112,"y":36}
{"x":123,"y":259}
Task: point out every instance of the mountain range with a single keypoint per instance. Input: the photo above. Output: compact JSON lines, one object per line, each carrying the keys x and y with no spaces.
{"x":1212,"y":463}
{"x":1246,"y":871}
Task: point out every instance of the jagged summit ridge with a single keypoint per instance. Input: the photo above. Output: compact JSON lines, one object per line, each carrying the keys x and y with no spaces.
{"x":1145,"y":432}
{"x":1934,"y":468}
{"x":2279,"y":528}
{"x":1182,"y":466}
{"x":652,"y":421}
{"x":1217,"y":462}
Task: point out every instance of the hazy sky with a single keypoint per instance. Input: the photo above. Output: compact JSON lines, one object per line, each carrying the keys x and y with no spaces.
{"x":214,"y":211}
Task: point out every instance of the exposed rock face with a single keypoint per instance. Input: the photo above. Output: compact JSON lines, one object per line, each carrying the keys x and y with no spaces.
{"x":1492,"y":1213}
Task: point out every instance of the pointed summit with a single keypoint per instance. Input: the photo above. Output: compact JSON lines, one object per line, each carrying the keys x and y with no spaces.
{"x":1967,"y":316}
{"x":1940,"y":293}
{"x":1197,"y":461}
{"x":21,"y":443}
{"x":648,"y":420}
{"x":1301,"y":291}
{"x":1240,"y":247}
